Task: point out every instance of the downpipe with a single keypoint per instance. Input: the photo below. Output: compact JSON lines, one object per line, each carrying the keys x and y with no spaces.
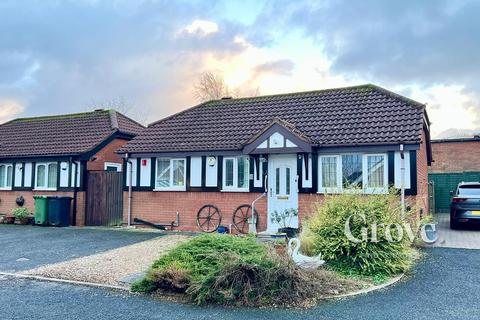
{"x":252,"y":225}
{"x":130,"y":181}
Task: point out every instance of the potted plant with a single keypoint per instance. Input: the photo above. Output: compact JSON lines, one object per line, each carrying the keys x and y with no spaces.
{"x":280,"y":246}
{"x":284,"y":219}
{"x":22,"y":215}
{"x":9,"y":219}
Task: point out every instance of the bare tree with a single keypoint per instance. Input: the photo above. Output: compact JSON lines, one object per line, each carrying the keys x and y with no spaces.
{"x":123,"y":106}
{"x":212,"y":86}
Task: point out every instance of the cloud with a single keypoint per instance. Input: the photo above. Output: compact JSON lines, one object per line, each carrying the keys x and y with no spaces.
{"x":59,"y":56}
{"x":9,"y":109}
{"x":200,"y":28}
{"x":281,"y":67}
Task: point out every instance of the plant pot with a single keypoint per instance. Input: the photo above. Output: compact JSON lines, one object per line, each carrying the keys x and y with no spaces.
{"x":290,"y":232}
{"x":9,"y":220}
{"x":22,"y":221}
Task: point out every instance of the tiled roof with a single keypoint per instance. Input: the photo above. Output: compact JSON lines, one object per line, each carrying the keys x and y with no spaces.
{"x":69,"y":134}
{"x":359,"y":115}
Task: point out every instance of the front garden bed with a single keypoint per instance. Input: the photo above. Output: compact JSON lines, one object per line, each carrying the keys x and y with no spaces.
{"x":239,"y":271}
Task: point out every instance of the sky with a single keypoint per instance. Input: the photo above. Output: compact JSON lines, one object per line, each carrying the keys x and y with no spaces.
{"x":60,"y":57}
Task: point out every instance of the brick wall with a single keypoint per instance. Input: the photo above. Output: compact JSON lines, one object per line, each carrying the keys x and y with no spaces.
{"x":422,"y":176}
{"x":7,"y":201}
{"x":456,"y":156}
{"x":107,"y":154}
{"x":161,"y":207}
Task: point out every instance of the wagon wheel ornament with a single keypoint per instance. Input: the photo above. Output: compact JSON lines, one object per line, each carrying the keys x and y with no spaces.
{"x":241,"y":216}
{"x":208,"y":218}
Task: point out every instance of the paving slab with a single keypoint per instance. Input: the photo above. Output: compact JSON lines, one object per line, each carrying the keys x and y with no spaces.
{"x":466,"y":238}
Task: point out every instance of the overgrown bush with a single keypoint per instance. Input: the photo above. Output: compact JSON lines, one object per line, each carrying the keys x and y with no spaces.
{"x":274,"y":280}
{"x":224,"y":269}
{"x":326,"y":234}
{"x":200,"y":257}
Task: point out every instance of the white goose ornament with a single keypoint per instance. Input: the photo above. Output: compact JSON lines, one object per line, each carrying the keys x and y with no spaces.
{"x":301,"y":260}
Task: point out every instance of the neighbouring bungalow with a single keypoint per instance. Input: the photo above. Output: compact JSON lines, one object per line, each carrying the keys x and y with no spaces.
{"x":54,"y":155}
{"x":214,"y":160}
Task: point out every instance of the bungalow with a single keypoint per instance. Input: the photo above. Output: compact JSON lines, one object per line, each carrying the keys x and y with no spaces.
{"x":210,"y":163}
{"x":54,"y":155}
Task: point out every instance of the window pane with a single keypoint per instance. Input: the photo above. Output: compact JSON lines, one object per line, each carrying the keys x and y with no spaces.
{"x":229,"y":173}
{"x":376,"y":166}
{"x":163,"y":173}
{"x":287,"y":180}
{"x":2,"y":176}
{"x":9,"y":175}
{"x":41,"y":176}
{"x":277,"y":181}
{"x":52,"y":175}
{"x":329,"y":172}
{"x":352,"y":171}
{"x":178,"y":173}
{"x":243,"y":172}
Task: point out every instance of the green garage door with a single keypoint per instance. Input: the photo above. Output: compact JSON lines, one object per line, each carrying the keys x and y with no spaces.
{"x":443,"y":183}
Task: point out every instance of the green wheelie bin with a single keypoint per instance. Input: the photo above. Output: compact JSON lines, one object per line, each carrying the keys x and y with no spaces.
{"x":59,"y":211}
{"x":41,"y":210}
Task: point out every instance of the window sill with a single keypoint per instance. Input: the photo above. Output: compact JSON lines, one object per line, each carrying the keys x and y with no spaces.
{"x":170,"y":189}
{"x":353,"y":191}
{"x":44,"y":189}
{"x":234,"y":190}
{"x":6,"y":189}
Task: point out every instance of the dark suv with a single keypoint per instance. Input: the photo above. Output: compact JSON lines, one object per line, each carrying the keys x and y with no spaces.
{"x":465,"y":206}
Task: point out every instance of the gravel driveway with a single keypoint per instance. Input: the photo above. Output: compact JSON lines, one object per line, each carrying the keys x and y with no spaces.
{"x":27,"y":247}
{"x":111,"y":266}
{"x":436,"y":291}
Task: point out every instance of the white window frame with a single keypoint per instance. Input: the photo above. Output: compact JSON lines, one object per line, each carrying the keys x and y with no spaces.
{"x":113,"y":164}
{"x":380,"y":190}
{"x":7,"y":165}
{"x":171,"y":187}
{"x":365,"y":188}
{"x":234,"y":188}
{"x":339,"y":174}
{"x":46,"y":164}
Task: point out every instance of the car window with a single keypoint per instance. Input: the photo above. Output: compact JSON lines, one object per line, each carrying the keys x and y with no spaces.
{"x":470,"y":190}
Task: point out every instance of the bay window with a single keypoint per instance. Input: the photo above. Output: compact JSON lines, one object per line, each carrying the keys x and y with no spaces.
{"x":236,"y":173}
{"x":6,"y":175}
{"x":46,"y":176}
{"x":170,"y":174}
{"x":347,"y":172}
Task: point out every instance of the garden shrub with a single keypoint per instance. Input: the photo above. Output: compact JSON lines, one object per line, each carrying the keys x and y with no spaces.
{"x":200,"y":257}
{"x":274,"y":280}
{"x":326,"y":234}
{"x":225,"y":269}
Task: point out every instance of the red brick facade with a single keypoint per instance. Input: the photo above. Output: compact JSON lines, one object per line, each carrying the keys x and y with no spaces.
{"x":456,"y":155}
{"x":107,"y":154}
{"x":422,"y":176}
{"x":7,"y":202}
{"x":161,"y":207}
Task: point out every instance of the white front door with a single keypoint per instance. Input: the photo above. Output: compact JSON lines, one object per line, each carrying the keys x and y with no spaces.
{"x":282,"y":188}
